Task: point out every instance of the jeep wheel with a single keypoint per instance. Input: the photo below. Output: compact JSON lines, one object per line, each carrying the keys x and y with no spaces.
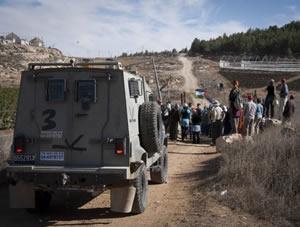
{"x":151,"y":127}
{"x":140,"y":199}
{"x":159,"y":172}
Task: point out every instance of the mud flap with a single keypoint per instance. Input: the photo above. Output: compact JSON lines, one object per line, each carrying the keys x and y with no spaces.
{"x":21,"y":195}
{"x":121,"y":199}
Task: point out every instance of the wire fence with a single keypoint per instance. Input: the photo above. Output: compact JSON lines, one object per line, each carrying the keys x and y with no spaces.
{"x":8,"y":103}
{"x":278,"y":66}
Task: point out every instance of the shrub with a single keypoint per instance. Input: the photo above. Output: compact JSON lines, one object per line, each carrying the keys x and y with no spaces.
{"x":263,"y":177}
{"x":8,"y":103}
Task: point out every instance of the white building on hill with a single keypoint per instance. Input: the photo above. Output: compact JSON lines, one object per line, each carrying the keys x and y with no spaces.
{"x":37,"y":42}
{"x":12,"y":38}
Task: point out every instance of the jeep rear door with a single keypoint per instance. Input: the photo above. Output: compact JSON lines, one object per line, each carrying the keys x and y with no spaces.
{"x":68,"y":119}
{"x":74,"y":117}
{"x":100,"y":120}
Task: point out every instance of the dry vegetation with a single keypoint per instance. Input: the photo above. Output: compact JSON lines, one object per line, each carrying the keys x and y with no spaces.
{"x":263,"y":177}
{"x":8,"y":103}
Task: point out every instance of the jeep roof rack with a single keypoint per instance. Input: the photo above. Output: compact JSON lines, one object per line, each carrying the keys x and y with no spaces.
{"x":72,"y":64}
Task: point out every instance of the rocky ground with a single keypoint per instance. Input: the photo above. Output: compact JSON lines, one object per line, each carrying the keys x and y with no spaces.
{"x":168,"y":70}
{"x":207,"y":73}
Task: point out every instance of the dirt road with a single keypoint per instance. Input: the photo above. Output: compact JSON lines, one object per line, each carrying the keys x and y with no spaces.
{"x":190,"y":81}
{"x":180,"y":202}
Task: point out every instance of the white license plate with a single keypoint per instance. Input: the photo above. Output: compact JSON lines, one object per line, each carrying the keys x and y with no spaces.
{"x":52,"y":156}
{"x":24,"y":158}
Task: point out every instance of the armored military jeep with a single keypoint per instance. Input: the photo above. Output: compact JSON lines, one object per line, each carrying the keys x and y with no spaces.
{"x":85,"y":127}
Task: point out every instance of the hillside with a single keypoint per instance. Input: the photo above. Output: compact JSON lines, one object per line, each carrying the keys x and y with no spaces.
{"x":14,"y":58}
{"x":168,"y":70}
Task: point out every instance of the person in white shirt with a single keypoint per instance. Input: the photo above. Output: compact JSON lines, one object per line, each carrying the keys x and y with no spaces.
{"x":216,"y":116}
{"x":249,"y":115}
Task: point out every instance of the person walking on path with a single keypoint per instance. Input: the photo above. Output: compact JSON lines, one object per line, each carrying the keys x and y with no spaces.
{"x":288,"y":111}
{"x":235,"y":105}
{"x":283,"y":94}
{"x":174,"y":120}
{"x":270,"y":99}
{"x":258,"y":116}
{"x":216,"y":116}
{"x":185,"y":121}
{"x":196,"y":126}
{"x":249,"y":114}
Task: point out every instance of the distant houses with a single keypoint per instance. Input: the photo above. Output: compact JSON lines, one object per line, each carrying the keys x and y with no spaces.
{"x":37,"y":42}
{"x":13,"y":38}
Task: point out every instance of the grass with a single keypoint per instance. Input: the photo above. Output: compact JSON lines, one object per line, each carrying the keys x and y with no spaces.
{"x":8,"y":103}
{"x":263,"y":177}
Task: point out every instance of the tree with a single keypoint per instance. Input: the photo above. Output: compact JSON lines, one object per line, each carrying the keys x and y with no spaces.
{"x":278,"y":41}
{"x":195,"y":47}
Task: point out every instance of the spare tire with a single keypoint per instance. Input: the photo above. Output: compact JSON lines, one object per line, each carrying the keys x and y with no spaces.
{"x":151,"y":127}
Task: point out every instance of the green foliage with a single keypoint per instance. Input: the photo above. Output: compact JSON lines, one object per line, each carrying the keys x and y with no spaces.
{"x":8,"y":103}
{"x":283,"y":41}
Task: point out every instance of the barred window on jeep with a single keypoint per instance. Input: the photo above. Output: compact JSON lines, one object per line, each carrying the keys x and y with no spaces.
{"x":86,"y":90}
{"x":134,"y":89}
{"x":56,"y":89}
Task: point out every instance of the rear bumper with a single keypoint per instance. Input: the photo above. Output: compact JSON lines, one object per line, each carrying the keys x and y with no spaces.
{"x":58,"y":177}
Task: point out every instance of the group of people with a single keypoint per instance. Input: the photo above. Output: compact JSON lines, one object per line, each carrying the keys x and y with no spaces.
{"x":286,"y":106}
{"x":245,"y":116}
{"x":252,"y":113}
{"x":194,"y":121}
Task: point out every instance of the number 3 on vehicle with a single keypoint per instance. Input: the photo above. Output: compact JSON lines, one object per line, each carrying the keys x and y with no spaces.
{"x":49,"y":123}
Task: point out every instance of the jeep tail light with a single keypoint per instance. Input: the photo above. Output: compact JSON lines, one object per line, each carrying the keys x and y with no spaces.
{"x":120,"y":146}
{"x":19,"y":144}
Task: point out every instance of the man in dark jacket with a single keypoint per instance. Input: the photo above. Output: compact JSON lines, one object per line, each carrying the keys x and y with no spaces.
{"x":174,"y":120}
{"x":289,"y":110}
{"x":196,"y":125}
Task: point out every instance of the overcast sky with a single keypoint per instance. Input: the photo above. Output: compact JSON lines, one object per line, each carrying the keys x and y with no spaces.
{"x":109,"y":27}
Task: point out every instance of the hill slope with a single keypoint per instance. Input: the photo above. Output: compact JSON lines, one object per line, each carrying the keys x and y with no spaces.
{"x":14,"y":58}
